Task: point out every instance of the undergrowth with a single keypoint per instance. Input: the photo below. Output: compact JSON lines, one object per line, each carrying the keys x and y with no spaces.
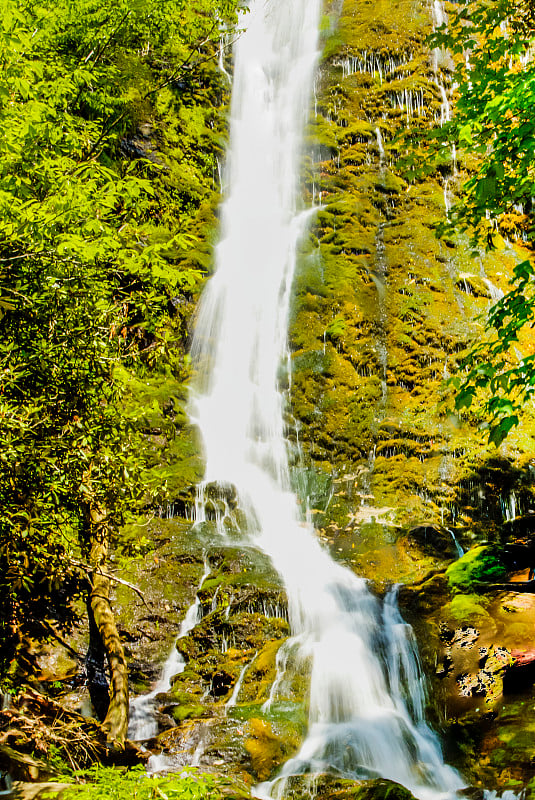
{"x":109,"y":783}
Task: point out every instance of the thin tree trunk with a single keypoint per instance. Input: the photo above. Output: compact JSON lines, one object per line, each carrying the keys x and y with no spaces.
{"x":116,"y":721}
{"x":96,"y":668}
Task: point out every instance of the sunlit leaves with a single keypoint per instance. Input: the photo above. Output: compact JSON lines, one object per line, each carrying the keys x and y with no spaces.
{"x":493,"y":133}
{"x":97,"y":223}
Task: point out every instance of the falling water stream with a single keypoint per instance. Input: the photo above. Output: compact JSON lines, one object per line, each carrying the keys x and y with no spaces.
{"x":142,"y":724}
{"x":366,"y":705}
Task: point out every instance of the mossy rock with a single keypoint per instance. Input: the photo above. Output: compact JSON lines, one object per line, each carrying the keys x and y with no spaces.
{"x":286,"y":712}
{"x":217,"y":633}
{"x":331,"y":787}
{"x":313,"y":486}
{"x":181,"y":712}
{"x":269,"y":745}
{"x":480,"y":565}
{"x":495,"y":751}
{"x":390,"y":183}
{"x":433,"y":540}
{"x":241,"y":579}
{"x":466,"y":609}
{"x":262,"y":671}
{"x":165,"y":559}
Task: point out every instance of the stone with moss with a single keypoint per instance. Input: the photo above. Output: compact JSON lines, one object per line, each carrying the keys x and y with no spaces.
{"x":298,"y":787}
{"x":480,"y":565}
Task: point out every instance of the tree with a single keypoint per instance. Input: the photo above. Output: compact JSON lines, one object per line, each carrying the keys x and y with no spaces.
{"x":98,"y":220}
{"x":494,"y":130}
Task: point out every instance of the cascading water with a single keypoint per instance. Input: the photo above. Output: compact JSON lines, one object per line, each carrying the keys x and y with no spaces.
{"x":142,"y":724}
{"x":366,"y":697}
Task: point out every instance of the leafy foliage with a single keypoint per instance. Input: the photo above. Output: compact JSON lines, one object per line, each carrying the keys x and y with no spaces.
{"x":135,"y":784}
{"x":109,"y":132}
{"x":495,"y":75}
{"x":494,"y":366}
{"x":494,"y":130}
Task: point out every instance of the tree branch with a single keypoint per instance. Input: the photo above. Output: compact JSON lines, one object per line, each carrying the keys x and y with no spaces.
{"x":108,"y":127}
{"x":90,"y":570}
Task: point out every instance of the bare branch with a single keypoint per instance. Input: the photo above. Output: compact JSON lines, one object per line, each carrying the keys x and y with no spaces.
{"x":88,"y":569}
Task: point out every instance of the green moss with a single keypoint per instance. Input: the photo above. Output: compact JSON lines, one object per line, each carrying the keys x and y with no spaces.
{"x":479,"y":565}
{"x":322,"y":133}
{"x":268,"y":745}
{"x":182,"y":712}
{"x":315,"y":362}
{"x":466,"y":609}
{"x":390,"y":183}
{"x":285,"y":711}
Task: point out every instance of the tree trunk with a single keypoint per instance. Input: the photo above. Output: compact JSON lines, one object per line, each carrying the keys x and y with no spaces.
{"x":116,"y":720}
{"x":96,"y":668}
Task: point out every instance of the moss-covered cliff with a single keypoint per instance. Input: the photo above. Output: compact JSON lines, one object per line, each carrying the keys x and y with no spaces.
{"x":383,"y":309}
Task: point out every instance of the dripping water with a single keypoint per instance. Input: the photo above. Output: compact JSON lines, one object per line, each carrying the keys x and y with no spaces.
{"x":237,"y":688}
{"x":142,"y":724}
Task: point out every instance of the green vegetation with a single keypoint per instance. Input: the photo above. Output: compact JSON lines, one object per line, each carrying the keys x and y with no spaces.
{"x":109,"y":132}
{"x":494,"y":132}
{"x":465,"y":609}
{"x":112,"y":119}
{"x":135,"y":784}
{"x":479,"y":565}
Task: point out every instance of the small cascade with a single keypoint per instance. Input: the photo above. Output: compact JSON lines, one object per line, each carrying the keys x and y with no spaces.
{"x":439,"y":19}
{"x":447,"y":201}
{"x":142,"y":724}
{"x":495,"y":292}
{"x":508,"y":506}
{"x":235,"y":694}
{"x":216,"y":503}
{"x":459,"y":549}
{"x":411,"y":101}
{"x":287,"y":652}
{"x":224,"y":46}
{"x":368,"y":720}
{"x":374,"y":63}
{"x":380,"y":277}
{"x":380,"y":147}
{"x":166,"y":511}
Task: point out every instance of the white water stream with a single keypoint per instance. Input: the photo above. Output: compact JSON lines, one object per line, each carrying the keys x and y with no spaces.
{"x":366,"y":695}
{"x":142,"y":724}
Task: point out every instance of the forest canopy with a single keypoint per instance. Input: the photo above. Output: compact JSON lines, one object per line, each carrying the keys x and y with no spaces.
{"x":110,"y":128}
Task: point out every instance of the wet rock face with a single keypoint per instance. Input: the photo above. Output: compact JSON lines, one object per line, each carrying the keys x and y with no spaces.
{"x":433,"y":540}
{"x":231,"y":668}
{"x":168,"y":573}
{"x":487,"y":649}
{"x":383,"y":314}
{"x":214,"y":712}
{"x":383,"y":310}
{"x":476,"y":642}
{"x":329,"y":786}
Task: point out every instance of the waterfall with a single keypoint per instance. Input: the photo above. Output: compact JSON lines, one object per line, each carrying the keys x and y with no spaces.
{"x":366,"y":690}
{"x":143,"y":724}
